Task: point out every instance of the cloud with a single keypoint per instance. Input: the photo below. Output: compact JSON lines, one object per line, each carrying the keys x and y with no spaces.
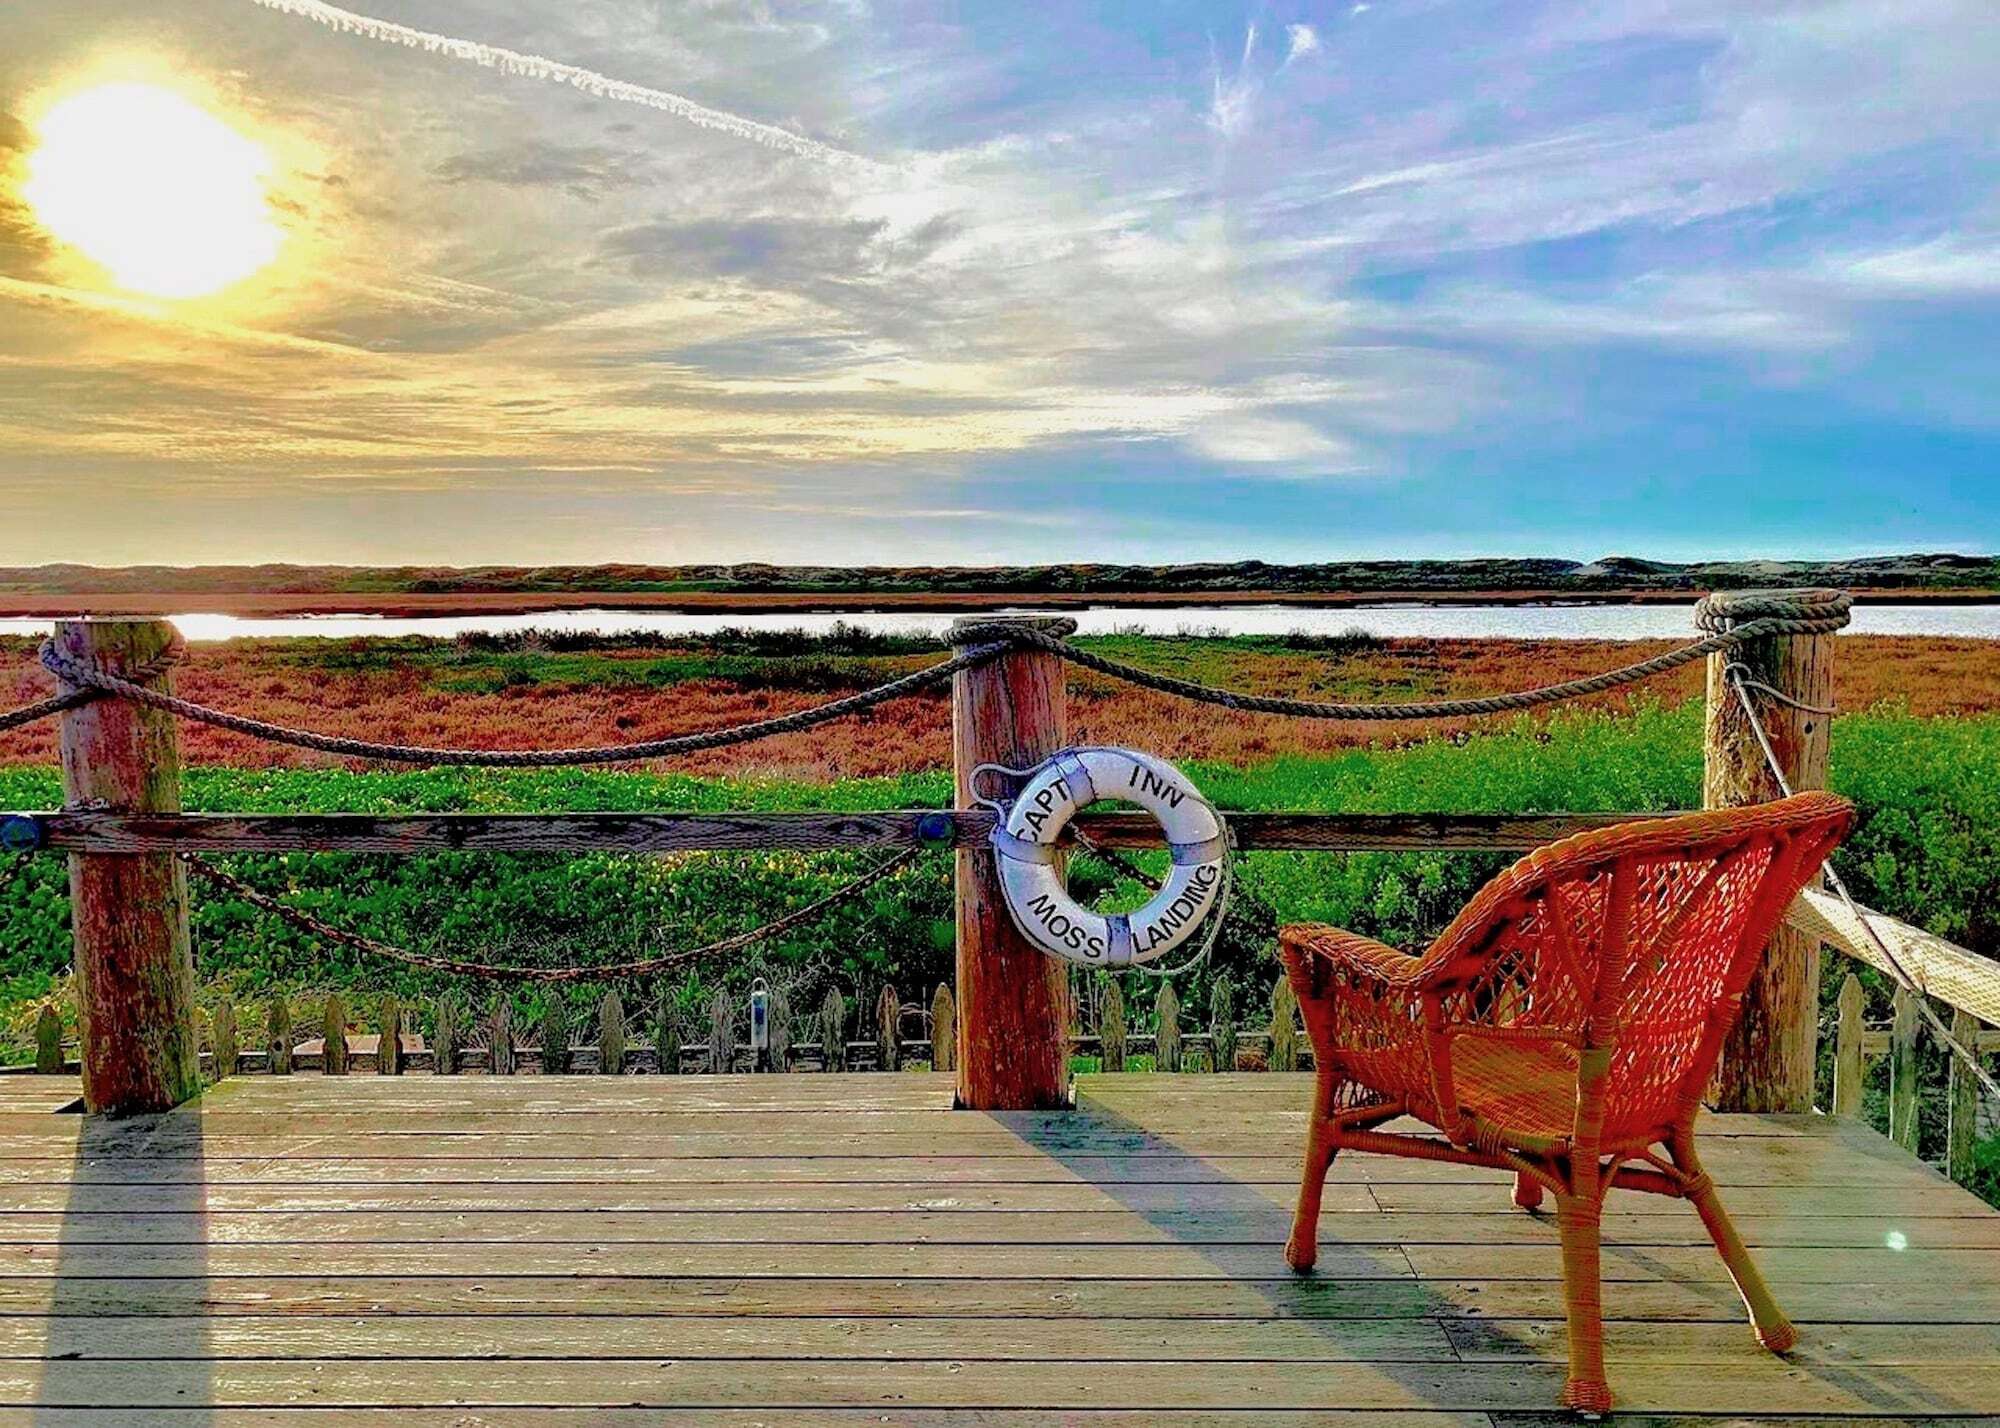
{"x":1301,"y":41}
{"x":599,"y":86}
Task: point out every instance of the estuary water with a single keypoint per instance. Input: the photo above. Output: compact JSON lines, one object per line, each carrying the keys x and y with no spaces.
{"x":1405,"y":620}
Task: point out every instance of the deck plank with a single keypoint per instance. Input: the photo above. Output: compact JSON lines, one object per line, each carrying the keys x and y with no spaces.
{"x":839,"y":1250}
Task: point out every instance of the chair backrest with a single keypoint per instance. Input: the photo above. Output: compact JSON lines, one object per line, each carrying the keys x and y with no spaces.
{"x":1640,"y":937}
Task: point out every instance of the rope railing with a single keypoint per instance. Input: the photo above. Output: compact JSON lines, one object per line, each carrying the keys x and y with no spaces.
{"x":1741,"y":683}
{"x":1731,"y":621}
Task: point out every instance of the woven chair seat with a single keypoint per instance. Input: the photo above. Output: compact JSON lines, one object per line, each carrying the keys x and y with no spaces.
{"x":1564,"y":1027}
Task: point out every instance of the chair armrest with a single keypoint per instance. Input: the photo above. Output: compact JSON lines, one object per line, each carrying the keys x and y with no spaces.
{"x":1352,"y":952}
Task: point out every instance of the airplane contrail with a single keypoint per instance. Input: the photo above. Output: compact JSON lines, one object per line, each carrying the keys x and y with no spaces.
{"x":589,"y":81}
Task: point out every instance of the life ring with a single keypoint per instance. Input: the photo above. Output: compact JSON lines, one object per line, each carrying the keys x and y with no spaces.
{"x":1042,"y":907}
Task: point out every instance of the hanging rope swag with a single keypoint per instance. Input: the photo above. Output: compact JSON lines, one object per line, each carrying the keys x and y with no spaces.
{"x":1728,"y":621}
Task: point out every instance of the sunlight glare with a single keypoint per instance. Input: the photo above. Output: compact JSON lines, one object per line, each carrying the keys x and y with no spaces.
{"x":166,"y":197}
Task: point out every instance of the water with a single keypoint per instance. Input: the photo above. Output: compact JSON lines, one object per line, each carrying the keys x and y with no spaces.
{"x":1515,"y":622}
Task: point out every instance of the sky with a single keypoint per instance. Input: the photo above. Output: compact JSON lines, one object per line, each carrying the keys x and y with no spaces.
{"x":1001,"y":282}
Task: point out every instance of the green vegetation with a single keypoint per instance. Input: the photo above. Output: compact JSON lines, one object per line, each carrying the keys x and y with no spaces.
{"x":1927,"y":849}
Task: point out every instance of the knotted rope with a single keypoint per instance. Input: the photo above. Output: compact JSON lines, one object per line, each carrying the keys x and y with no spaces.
{"x":104,"y":682}
{"x":1731,"y":620}
{"x":82,"y":694}
{"x":639,"y":967}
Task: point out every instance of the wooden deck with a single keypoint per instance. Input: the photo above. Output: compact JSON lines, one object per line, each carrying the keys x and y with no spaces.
{"x":844,"y":1250}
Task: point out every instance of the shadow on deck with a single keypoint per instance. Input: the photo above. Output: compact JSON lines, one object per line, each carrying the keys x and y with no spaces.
{"x":845,"y":1250}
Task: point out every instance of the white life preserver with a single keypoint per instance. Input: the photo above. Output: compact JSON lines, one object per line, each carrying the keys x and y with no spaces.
{"x":1042,"y":907}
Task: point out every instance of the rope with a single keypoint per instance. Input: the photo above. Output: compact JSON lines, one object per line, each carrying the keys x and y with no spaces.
{"x":1731,"y":619}
{"x":101,"y":681}
{"x":1793,"y":612}
{"x":76,"y":698}
{"x":644,"y":966}
{"x":1904,"y":980}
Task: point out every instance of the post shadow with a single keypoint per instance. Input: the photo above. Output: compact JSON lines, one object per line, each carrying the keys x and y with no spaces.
{"x":98,"y":1294}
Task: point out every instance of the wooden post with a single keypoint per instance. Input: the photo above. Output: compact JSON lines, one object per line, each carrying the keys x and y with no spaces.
{"x":222,"y":1044}
{"x":48,"y":1040}
{"x":389,"y":1046}
{"x":333,"y":1053}
{"x":500,"y":1037}
{"x":888,"y":1031}
{"x":553,"y":1036}
{"x":1111,"y":1029}
{"x":611,"y":1035}
{"x":140,"y":1049}
{"x":1962,"y":1130}
{"x":1166,"y":1029}
{"x":1850,"y":1064}
{"x":1768,"y":1061}
{"x":944,"y":1029}
{"x":450,"y":1037}
{"x":278,"y":1036}
{"x":1013,"y":1013}
{"x":833,"y":1032}
{"x":721,"y":1034}
{"x":667,"y":1035}
{"x":1903,"y":1071}
{"x":1222,"y":1025}
{"x":1284,"y":1054}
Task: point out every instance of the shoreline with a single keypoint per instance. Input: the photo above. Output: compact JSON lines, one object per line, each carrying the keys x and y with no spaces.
{"x":463,"y":604}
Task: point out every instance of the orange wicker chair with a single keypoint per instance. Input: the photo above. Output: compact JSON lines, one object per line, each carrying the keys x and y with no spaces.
{"x":1562,"y":1027}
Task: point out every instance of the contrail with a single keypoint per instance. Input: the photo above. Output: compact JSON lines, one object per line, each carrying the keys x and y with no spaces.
{"x":589,"y":81}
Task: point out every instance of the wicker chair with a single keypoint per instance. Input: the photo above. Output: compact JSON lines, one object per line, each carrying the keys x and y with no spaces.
{"x":1564,"y":1027}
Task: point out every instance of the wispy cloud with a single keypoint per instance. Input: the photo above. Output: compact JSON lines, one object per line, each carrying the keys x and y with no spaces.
{"x":601,"y":86}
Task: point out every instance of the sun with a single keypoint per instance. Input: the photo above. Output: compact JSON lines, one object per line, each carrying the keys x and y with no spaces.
{"x":162,"y":194}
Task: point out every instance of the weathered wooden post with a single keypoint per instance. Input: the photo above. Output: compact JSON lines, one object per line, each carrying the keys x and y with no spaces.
{"x":611,"y":1035}
{"x":48,"y":1040}
{"x":944,"y":1029}
{"x":1961,"y":1131}
{"x":1166,"y":1029}
{"x":1850,"y":1064}
{"x":888,"y":1031}
{"x":1903,"y":1070}
{"x":278,"y":1037}
{"x":389,"y":1045}
{"x":333,"y":1045}
{"x":1013,"y":1013}
{"x":1111,"y":1029}
{"x":1222,"y":1025}
{"x":140,"y":1049}
{"x":222,"y":1041}
{"x":1767,"y":1063}
{"x":833,"y":1032}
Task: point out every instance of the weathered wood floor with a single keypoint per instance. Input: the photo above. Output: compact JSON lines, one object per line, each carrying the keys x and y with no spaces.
{"x":844,"y":1250}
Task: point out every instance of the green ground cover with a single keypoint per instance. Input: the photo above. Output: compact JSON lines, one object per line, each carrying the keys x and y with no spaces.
{"x":1927,"y":849}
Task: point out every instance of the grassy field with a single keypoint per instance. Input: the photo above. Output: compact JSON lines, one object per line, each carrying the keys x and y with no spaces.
{"x":1925,"y":768}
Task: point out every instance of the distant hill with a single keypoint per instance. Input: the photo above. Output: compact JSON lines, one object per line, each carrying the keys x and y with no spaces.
{"x":1609,"y":576}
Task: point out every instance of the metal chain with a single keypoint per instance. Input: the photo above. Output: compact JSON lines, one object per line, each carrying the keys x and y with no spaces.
{"x":1897,"y":970}
{"x":640,"y":967}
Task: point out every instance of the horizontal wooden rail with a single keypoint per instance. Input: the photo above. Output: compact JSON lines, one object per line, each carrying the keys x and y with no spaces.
{"x":1954,"y":975}
{"x":794,"y":832}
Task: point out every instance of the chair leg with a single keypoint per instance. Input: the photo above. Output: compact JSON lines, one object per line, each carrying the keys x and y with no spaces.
{"x":1302,"y":1249}
{"x":1577,"y":1219}
{"x":1527,"y":1191}
{"x":1774,"y":1331}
